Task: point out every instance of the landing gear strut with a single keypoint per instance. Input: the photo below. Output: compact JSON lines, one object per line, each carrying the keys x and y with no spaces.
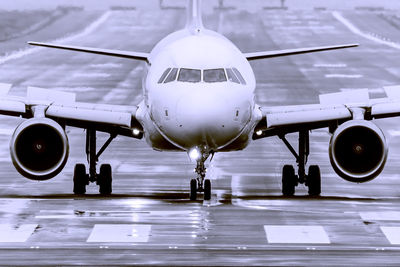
{"x":104,"y":178}
{"x":200,"y":184}
{"x":289,"y":178}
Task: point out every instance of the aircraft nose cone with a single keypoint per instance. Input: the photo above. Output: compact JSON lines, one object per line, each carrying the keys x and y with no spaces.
{"x":204,"y":120}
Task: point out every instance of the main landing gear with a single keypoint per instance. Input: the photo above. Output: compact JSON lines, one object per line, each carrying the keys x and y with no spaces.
{"x":200,"y":184}
{"x":289,"y":178}
{"x":104,"y":177}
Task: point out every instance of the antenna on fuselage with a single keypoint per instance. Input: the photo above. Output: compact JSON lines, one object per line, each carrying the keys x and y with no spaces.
{"x":194,"y":19}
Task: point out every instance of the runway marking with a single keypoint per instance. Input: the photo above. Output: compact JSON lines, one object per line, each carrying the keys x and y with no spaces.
{"x":392,"y":234}
{"x":296,"y":234}
{"x":106,"y":65}
{"x":327,"y":65}
{"x":10,"y":233}
{"x":91,"y":75}
{"x":380,"y":216}
{"x":74,"y":89}
{"x":349,"y":76}
{"x":370,"y":90}
{"x":89,"y":29}
{"x":357,"y":31}
{"x":120,"y":93}
{"x":306,"y":27}
{"x":394,"y":132}
{"x":5,"y":131}
{"x":120,"y":233}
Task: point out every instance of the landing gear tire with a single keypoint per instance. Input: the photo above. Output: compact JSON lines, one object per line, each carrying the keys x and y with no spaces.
{"x":314,"y":180}
{"x":105,"y":179}
{"x":80,"y":179}
{"x":289,"y":180}
{"x":193,"y":189}
{"x":207,"y":189}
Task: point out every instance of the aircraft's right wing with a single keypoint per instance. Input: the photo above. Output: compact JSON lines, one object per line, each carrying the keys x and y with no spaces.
{"x":107,"y":52}
{"x":62,"y":107}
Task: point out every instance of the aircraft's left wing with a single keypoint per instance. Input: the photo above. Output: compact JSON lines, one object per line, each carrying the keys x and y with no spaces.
{"x":332,"y":110}
{"x":296,"y":51}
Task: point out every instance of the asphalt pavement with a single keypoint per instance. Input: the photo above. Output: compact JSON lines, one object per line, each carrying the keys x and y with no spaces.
{"x":148,"y":220}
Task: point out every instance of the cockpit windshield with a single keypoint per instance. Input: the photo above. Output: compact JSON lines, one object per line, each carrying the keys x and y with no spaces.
{"x":164,"y":75}
{"x":214,"y":76}
{"x":231,"y":76}
{"x":241,"y":79}
{"x":196,"y":76}
{"x":189,"y":75}
{"x":172,"y":76}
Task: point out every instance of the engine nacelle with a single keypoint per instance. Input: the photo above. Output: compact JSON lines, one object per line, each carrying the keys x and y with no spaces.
{"x":358,"y":151}
{"x":39,"y":148}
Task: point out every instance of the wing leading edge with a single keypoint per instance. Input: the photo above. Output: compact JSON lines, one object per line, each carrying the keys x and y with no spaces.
{"x":334,"y":109}
{"x":62,"y":107}
{"x":297,"y":51}
{"x":107,"y":52}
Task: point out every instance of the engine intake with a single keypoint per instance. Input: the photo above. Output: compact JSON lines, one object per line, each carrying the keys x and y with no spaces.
{"x":358,"y":151}
{"x":39,"y":148}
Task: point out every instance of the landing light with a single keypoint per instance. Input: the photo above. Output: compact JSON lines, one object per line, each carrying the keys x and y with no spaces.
{"x":194,"y":153}
{"x":259,"y":132}
{"x":136,"y":131}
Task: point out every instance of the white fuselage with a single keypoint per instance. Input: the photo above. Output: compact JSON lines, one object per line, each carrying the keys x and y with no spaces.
{"x":180,"y":114}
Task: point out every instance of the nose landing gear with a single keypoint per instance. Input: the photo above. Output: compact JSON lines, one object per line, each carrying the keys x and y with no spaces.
{"x":200,"y":184}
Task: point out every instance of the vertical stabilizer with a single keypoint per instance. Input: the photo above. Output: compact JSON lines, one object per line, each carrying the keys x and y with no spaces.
{"x":194,"y":21}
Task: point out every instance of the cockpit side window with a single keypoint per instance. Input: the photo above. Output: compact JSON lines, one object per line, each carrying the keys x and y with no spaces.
{"x":172,"y":76}
{"x":189,"y":75}
{"x":231,"y":76}
{"x":164,"y":75}
{"x":214,"y":75}
{"x":242,"y":81}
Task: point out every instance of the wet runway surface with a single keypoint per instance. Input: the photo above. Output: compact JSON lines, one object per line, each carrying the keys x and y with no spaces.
{"x":148,"y":220}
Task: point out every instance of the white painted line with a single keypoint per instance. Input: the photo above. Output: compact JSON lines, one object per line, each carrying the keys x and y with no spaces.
{"x":120,"y":233}
{"x":106,"y":65}
{"x":24,"y":52}
{"x":5,"y":131}
{"x":9,"y":233}
{"x":235,"y":185}
{"x":296,"y":234}
{"x":328,"y":65}
{"x":370,"y":90}
{"x":348,"y":76}
{"x":394,"y":132}
{"x":380,"y":216}
{"x":91,"y":75}
{"x":392,"y":234}
{"x":357,"y":31}
{"x":73,"y":89}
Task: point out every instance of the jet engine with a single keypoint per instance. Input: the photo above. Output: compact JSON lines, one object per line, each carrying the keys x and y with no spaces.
{"x":358,"y":151}
{"x":39,"y":148}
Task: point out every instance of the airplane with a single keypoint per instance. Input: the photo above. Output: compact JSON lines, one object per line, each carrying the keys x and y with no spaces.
{"x":198,"y":98}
